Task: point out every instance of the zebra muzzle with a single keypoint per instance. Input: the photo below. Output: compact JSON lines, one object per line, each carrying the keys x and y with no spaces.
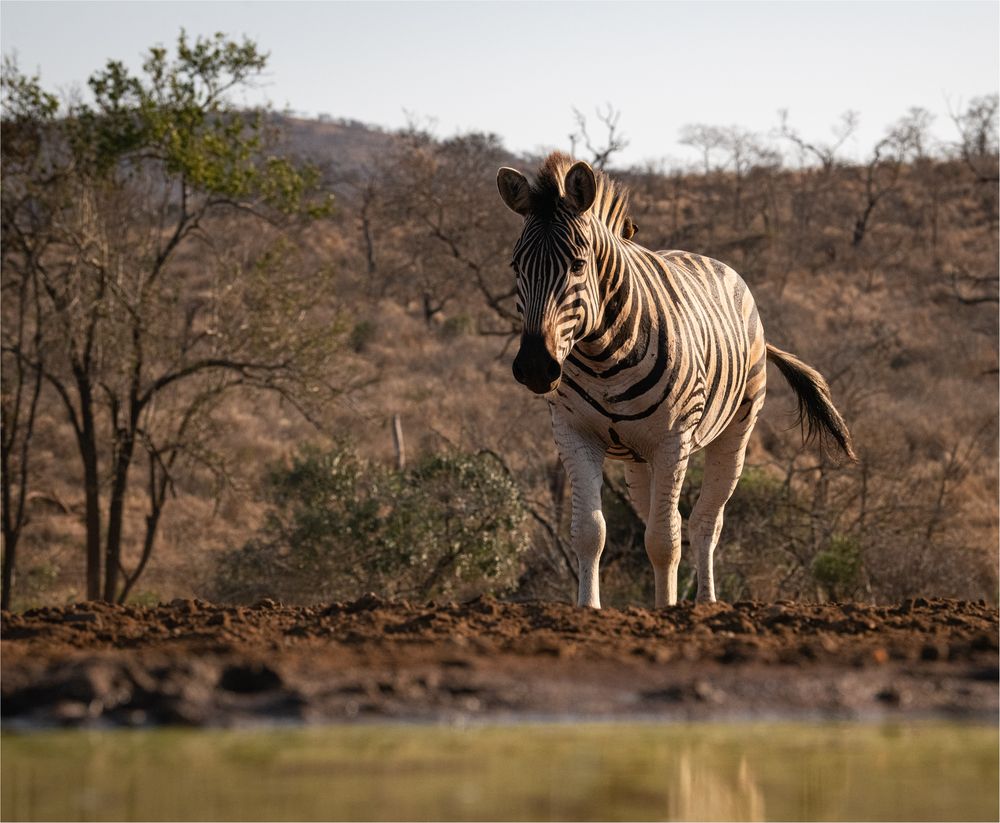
{"x":535,"y":367}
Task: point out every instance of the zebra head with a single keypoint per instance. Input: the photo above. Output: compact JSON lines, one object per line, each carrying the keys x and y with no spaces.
{"x":554,"y":264}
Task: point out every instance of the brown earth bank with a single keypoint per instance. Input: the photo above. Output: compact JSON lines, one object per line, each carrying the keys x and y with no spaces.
{"x":196,"y":663}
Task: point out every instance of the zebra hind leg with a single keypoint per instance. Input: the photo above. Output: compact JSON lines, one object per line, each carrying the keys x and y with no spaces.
{"x":663,"y":525}
{"x":723,"y":466}
{"x":637,"y":481}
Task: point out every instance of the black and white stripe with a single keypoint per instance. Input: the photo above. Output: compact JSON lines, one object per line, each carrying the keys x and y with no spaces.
{"x":661,"y":354}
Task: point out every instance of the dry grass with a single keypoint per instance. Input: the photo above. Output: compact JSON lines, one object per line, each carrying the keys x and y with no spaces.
{"x":913,"y":368}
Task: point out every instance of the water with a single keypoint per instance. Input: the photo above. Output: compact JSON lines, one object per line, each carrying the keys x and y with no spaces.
{"x":516,"y":772}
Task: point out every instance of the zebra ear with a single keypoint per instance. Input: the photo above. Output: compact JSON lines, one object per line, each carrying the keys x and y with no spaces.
{"x":514,"y":190}
{"x":581,"y":187}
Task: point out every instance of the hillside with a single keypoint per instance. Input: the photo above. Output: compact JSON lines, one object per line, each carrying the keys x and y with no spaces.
{"x":902,"y":320}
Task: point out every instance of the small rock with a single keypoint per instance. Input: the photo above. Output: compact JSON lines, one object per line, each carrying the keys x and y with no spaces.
{"x":989,"y":674}
{"x":249,"y":678}
{"x":776,"y":614}
{"x":984,"y":642}
{"x":737,"y":651}
{"x":136,"y":717}
{"x":934,"y":651}
{"x":69,"y":712}
{"x":80,"y":617}
{"x":365,"y":603}
{"x":707,"y":693}
{"x":656,"y":654}
{"x":892,"y":696}
{"x":671,"y":694}
{"x":470,"y":703}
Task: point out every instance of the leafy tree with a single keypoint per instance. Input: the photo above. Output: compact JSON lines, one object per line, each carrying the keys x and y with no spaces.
{"x":149,"y":268}
{"x":340,"y":525}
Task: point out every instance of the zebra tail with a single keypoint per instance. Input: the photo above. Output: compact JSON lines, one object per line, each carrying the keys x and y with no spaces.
{"x":817,"y":414}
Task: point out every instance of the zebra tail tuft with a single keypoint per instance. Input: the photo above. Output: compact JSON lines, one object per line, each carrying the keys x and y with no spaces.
{"x":817,"y":414}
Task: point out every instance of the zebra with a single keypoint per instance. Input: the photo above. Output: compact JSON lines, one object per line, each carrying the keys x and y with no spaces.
{"x":645,"y":357}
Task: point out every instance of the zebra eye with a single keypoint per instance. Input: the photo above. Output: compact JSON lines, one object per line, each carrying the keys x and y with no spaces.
{"x":577,"y":265}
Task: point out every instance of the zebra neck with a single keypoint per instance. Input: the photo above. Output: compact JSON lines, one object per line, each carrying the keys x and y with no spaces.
{"x":614,"y":294}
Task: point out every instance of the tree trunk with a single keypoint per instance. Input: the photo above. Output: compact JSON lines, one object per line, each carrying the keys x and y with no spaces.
{"x":87,"y":442}
{"x":152,"y":521}
{"x":11,"y":528}
{"x":10,"y":535}
{"x":158,"y":487}
{"x":398,"y":443}
{"x":9,"y":549}
{"x":116,"y":512}
{"x":861,"y":224}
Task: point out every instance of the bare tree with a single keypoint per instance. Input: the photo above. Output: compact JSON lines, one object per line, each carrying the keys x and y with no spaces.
{"x":904,"y":141}
{"x":18,"y":413}
{"x":613,"y":141}
{"x":977,"y":129}
{"x":28,"y":113}
{"x":823,"y":152}
{"x":433,"y":218}
{"x":706,"y":139}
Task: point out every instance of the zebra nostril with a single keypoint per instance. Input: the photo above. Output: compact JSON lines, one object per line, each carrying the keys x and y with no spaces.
{"x":518,"y":372}
{"x":553,"y":371}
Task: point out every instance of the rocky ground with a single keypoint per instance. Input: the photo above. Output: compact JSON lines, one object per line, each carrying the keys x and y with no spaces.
{"x":196,"y":663}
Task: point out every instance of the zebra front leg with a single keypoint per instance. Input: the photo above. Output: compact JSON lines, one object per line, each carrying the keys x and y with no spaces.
{"x":663,"y":526}
{"x":584,"y":465}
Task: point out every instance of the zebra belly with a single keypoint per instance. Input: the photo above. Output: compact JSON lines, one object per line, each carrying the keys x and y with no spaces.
{"x":639,"y":441}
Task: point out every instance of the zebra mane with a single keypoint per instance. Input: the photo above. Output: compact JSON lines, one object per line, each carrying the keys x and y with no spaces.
{"x":610,"y":204}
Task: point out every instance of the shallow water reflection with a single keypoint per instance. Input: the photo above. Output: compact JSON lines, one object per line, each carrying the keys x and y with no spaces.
{"x":516,"y":772}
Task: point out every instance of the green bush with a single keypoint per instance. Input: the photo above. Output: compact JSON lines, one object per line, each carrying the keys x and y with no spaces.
{"x":339,"y":526}
{"x":838,"y":567}
{"x":362,"y":336}
{"x":457,"y":326}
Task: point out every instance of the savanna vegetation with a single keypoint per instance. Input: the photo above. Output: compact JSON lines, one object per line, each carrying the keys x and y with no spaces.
{"x":247,"y":355}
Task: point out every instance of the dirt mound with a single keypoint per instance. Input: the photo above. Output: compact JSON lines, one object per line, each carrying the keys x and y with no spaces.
{"x":197,"y":663}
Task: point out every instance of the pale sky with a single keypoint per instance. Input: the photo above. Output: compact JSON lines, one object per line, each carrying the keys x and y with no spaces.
{"x":517,"y":69}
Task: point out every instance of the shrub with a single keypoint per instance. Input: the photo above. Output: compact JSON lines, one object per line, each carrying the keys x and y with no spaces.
{"x":362,"y":336}
{"x":457,"y":326}
{"x":340,"y":525}
{"x":838,"y":567}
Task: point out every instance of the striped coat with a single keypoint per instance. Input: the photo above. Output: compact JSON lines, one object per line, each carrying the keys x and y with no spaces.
{"x":645,"y":357}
